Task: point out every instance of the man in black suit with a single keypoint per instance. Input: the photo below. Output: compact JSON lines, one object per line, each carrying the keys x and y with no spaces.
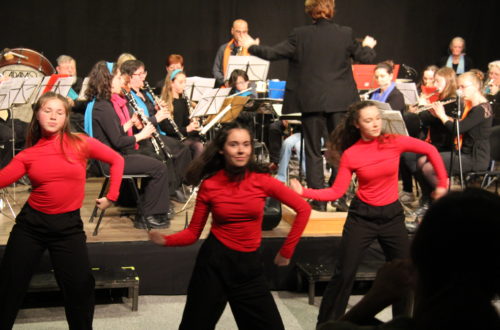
{"x":320,"y":84}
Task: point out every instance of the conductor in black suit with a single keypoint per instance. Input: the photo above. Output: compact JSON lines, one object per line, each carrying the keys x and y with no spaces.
{"x":320,"y":84}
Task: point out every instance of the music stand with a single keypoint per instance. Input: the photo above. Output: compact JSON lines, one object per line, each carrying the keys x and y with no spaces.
{"x":196,"y":87}
{"x":85,"y":85}
{"x":255,"y":67}
{"x":409,"y":91}
{"x":393,"y":123}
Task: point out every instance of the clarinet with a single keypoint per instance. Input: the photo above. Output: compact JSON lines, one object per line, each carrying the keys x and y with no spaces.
{"x":170,"y":120}
{"x":156,"y":140}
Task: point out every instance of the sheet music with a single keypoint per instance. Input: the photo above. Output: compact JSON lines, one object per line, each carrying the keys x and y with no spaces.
{"x":393,"y":123}
{"x":409,"y":91}
{"x":381,"y":105}
{"x":28,"y":89}
{"x":8,"y":90}
{"x":211,"y":102}
{"x":257,"y":67}
{"x":85,"y":85}
{"x":196,"y":87}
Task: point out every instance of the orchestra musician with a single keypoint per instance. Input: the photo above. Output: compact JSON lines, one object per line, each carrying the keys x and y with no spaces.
{"x":492,"y":87}
{"x":55,"y":161}
{"x":375,"y":212}
{"x":387,"y":91}
{"x":457,"y":59}
{"x":134,"y":71}
{"x":228,"y":266}
{"x":426,"y":86}
{"x":179,"y":108}
{"x":475,"y":128}
{"x":323,"y":50}
{"x":232,"y":47}
{"x":173,"y":62}
{"x":112,"y":124}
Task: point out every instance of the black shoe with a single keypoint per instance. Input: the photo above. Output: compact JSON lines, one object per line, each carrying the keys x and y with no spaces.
{"x":179,"y":196}
{"x":155,"y":222}
{"x":318,"y":206}
{"x":340,"y":205}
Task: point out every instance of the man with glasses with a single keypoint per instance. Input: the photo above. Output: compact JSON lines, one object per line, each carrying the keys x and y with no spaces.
{"x":233,"y":47}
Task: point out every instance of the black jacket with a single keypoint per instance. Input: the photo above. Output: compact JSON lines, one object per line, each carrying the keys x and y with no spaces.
{"x":319,"y":66}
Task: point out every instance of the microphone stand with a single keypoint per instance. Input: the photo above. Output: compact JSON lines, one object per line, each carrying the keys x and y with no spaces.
{"x":459,"y":143}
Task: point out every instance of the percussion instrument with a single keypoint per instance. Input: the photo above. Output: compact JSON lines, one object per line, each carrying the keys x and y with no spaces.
{"x":24,"y":63}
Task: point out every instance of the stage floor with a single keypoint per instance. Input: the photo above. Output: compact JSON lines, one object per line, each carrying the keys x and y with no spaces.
{"x":116,"y":228}
{"x":167,"y":270}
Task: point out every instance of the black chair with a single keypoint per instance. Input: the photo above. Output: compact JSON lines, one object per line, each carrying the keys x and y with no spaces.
{"x":132,"y":180}
{"x":490,"y":175}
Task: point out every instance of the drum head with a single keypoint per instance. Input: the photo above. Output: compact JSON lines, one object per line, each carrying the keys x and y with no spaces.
{"x":25,"y":63}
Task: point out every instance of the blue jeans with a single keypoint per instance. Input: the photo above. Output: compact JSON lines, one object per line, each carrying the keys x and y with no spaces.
{"x":293,"y":141}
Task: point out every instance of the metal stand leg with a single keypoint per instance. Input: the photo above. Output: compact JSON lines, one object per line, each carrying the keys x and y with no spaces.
{"x":4,"y":201}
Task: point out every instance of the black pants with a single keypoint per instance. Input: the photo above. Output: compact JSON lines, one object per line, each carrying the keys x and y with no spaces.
{"x":155,"y":195}
{"x":63,"y":236}
{"x":364,"y":224}
{"x":276,"y":131}
{"x":315,"y":126}
{"x":223,"y":275}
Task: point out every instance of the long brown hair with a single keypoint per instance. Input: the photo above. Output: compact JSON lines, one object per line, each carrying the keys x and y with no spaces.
{"x":211,"y":160}
{"x":65,"y":135}
{"x":166,"y":92}
{"x":346,"y":133}
{"x":99,"y":85}
{"x":450,"y":90}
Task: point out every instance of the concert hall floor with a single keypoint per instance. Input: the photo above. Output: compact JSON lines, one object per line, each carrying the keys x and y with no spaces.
{"x":167,"y":270}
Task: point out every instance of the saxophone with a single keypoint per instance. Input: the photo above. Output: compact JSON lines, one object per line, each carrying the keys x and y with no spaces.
{"x":169,"y":118}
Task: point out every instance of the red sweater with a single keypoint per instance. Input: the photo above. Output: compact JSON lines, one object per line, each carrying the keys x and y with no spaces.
{"x":58,"y":184}
{"x":237,"y":209}
{"x":376,"y":165}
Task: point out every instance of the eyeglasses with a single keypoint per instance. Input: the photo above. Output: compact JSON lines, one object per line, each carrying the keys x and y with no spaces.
{"x":141,"y":74}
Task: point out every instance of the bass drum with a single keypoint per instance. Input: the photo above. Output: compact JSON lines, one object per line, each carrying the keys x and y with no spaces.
{"x":24,"y":63}
{"x":29,"y":64}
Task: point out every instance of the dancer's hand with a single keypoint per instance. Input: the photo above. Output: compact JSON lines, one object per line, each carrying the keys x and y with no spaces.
{"x":103,"y":203}
{"x":439,"y":192}
{"x":281,"y":261}
{"x":296,"y":186}
{"x":157,"y":237}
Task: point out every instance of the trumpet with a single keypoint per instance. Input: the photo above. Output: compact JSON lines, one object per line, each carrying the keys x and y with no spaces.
{"x":169,"y":118}
{"x":156,"y":140}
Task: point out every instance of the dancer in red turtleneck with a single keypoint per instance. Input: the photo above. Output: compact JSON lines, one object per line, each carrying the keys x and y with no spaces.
{"x":55,"y":161}
{"x":228,"y":267}
{"x":375,"y":212}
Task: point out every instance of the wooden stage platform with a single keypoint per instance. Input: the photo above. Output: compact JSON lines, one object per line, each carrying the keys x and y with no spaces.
{"x":167,"y":270}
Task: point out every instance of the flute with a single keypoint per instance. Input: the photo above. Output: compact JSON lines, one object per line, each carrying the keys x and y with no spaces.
{"x":156,"y":140}
{"x":169,"y":118}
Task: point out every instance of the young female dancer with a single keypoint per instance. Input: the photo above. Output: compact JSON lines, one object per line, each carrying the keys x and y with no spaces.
{"x":55,"y":162}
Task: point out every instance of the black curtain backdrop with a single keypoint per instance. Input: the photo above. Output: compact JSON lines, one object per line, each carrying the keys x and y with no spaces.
{"x":413,"y":32}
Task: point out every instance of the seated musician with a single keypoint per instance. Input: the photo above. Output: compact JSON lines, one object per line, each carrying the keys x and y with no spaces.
{"x":108,"y":120}
{"x":387,"y":91}
{"x":136,"y":73}
{"x":239,"y":83}
{"x":432,"y":130}
{"x":426,"y":87}
{"x":174,"y":62}
{"x":492,"y":87}
{"x":185,"y":129}
{"x":457,"y":59}
{"x":233,"y":47}
{"x":67,"y":65}
{"x":475,"y":127}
